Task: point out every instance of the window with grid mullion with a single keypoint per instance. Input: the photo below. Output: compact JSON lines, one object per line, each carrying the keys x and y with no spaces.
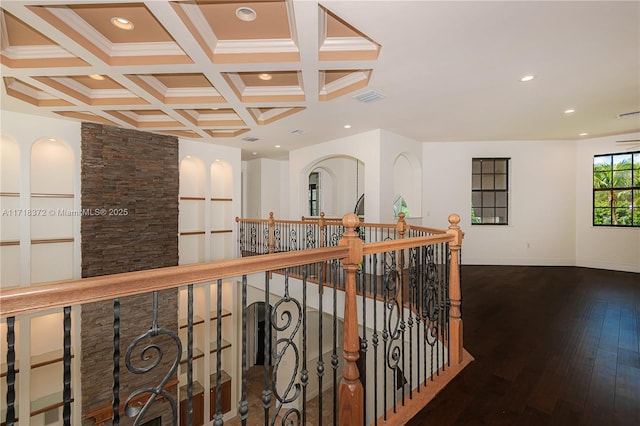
{"x":616,"y":189}
{"x":490,"y":194}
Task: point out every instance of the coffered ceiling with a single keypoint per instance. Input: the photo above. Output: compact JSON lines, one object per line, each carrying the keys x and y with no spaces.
{"x":289,"y":72}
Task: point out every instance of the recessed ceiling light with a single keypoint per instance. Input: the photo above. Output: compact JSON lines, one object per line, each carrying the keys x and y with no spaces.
{"x":584,"y":134}
{"x":122,"y":23}
{"x":188,"y":156}
{"x":527,"y":78}
{"x":96,"y":76}
{"x":52,"y":139}
{"x":569,"y":111}
{"x":347,"y":126}
{"x":265,"y":76}
{"x":254,"y":153}
{"x":246,"y":14}
{"x":277,"y":146}
{"x":217,"y":160}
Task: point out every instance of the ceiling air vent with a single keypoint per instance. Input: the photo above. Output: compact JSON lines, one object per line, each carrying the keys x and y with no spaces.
{"x":249,"y":139}
{"x":629,"y":114}
{"x":370,"y":96}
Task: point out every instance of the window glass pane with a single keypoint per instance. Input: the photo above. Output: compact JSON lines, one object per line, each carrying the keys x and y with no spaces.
{"x":636,"y":217}
{"x":602,"y":180}
{"x":488,"y":199}
{"x":602,"y":199}
{"x":476,"y":166}
{"x":636,"y":160}
{"x":487,"y":166}
{"x":622,"y":198}
{"x":476,"y":199}
{"x":487,"y":181}
{"x":636,"y":178}
{"x":602,"y":162}
{"x":601,"y":216}
{"x":501,"y":215}
{"x":488,"y":216}
{"x":501,"y":181}
{"x":476,"y":182}
{"x":622,"y":162}
{"x":501,"y":199}
{"x":636,"y":199}
{"x":501,"y":166}
{"x":622,"y":216}
{"x":622,"y":179}
{"x":476,"y":215}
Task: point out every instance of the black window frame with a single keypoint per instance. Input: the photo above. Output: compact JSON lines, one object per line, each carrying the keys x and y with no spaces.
{"x":605,"y":187}
{"x":484,"y":188}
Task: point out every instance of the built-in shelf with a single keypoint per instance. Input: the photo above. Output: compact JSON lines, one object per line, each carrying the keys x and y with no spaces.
{"x":197,"y":353}
{"x":192,"y":198}
{"x":183,"y":322}
{"x":9,"y":243}
{"x":50,"y":195}
{"x":213,"y":347}
{"x":223,"y":314}
{"x":52,"y":240}
{"x":197,"y":388}
{"x":221,"y":199}
{"x":47,"y":402}
{"x":9,"y":194}
{"x":193,"y":233}
{"x":222,"y":231}
{"x":39,"y":360}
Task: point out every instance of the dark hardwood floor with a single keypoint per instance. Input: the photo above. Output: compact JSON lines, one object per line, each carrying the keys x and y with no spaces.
{"x":552,"y":346}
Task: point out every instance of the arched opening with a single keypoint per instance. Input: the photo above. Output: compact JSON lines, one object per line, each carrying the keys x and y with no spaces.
{"x":339,"y":185}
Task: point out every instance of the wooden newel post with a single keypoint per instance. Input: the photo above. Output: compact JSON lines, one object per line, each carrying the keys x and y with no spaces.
{"x":272,"y":233}
{"x":350,"y":391}
{"x":455,"y":296}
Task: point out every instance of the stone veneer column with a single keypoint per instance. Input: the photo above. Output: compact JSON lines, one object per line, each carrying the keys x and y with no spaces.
{"x":137,"y":171}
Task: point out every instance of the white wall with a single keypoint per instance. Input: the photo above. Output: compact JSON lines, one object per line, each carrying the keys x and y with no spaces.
{"x":601,"y":246}
{"x":267,"y":188}
{"x":363,"y":146}
{"x":542,"y":179}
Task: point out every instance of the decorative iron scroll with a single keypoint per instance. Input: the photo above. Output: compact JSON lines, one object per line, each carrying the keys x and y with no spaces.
{"x":253,"y":239}
{"x":430,"y":309}
{"x":265,"y":240}
{"x":242,"y":243}
{"x":277,"y":240}
{"x":152,"y":353}
{"x":281,"y":321}
{"x":293,"y":238}
{"x":11,"y":372}
{"x":311,"y":236}
{"x":392,"y":332}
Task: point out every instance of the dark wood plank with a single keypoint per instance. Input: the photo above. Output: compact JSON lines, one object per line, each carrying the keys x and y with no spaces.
{"x":553,"y":346}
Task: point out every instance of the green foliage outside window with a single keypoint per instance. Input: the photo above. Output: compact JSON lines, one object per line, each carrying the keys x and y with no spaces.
{"x":616,"y":189}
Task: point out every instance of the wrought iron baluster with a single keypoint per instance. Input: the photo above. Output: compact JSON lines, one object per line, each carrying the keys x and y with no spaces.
{"x":116,"y":362}
{"x":418,"y":285}
{"x":10,"y":417}
{"x":66,"y":393}
{"x":374,"y":337}
{"x":147,"y":355}
{"x":189,"y":354}
{"x":393,"y":322}
{"x":334,"y":355}
{"x":361,"y":277}
{"x":266,"y":392}
{"x":243,"y":406}
{"x":320,"y":363}
{"x":217,"y":421}
{"x":385,"y":337}
{"x":292,"y":390}
{"x":304,"y":374}
{"x":411,"y":301}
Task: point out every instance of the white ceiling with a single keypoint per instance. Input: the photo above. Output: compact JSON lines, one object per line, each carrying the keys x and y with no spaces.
{"x":449,"y":71}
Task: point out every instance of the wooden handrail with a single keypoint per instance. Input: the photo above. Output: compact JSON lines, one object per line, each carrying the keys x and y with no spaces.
{"x":36,"y":298}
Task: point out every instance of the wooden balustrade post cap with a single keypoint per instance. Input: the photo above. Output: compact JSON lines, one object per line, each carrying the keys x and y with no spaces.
{"x":270,"y":215}
{"x":321,"y":214}
{"x":350,"y":221}
{"x":454,"y":220}
{"x":401,"y":216}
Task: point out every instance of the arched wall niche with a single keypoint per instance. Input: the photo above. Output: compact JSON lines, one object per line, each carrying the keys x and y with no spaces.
{"x":407,"y":182}
{"x":221,"y":179}
{"x":342,"y":180}
{"x":52,"y":194}
{"x":10,"y":200}
{"x":191,"y":217}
